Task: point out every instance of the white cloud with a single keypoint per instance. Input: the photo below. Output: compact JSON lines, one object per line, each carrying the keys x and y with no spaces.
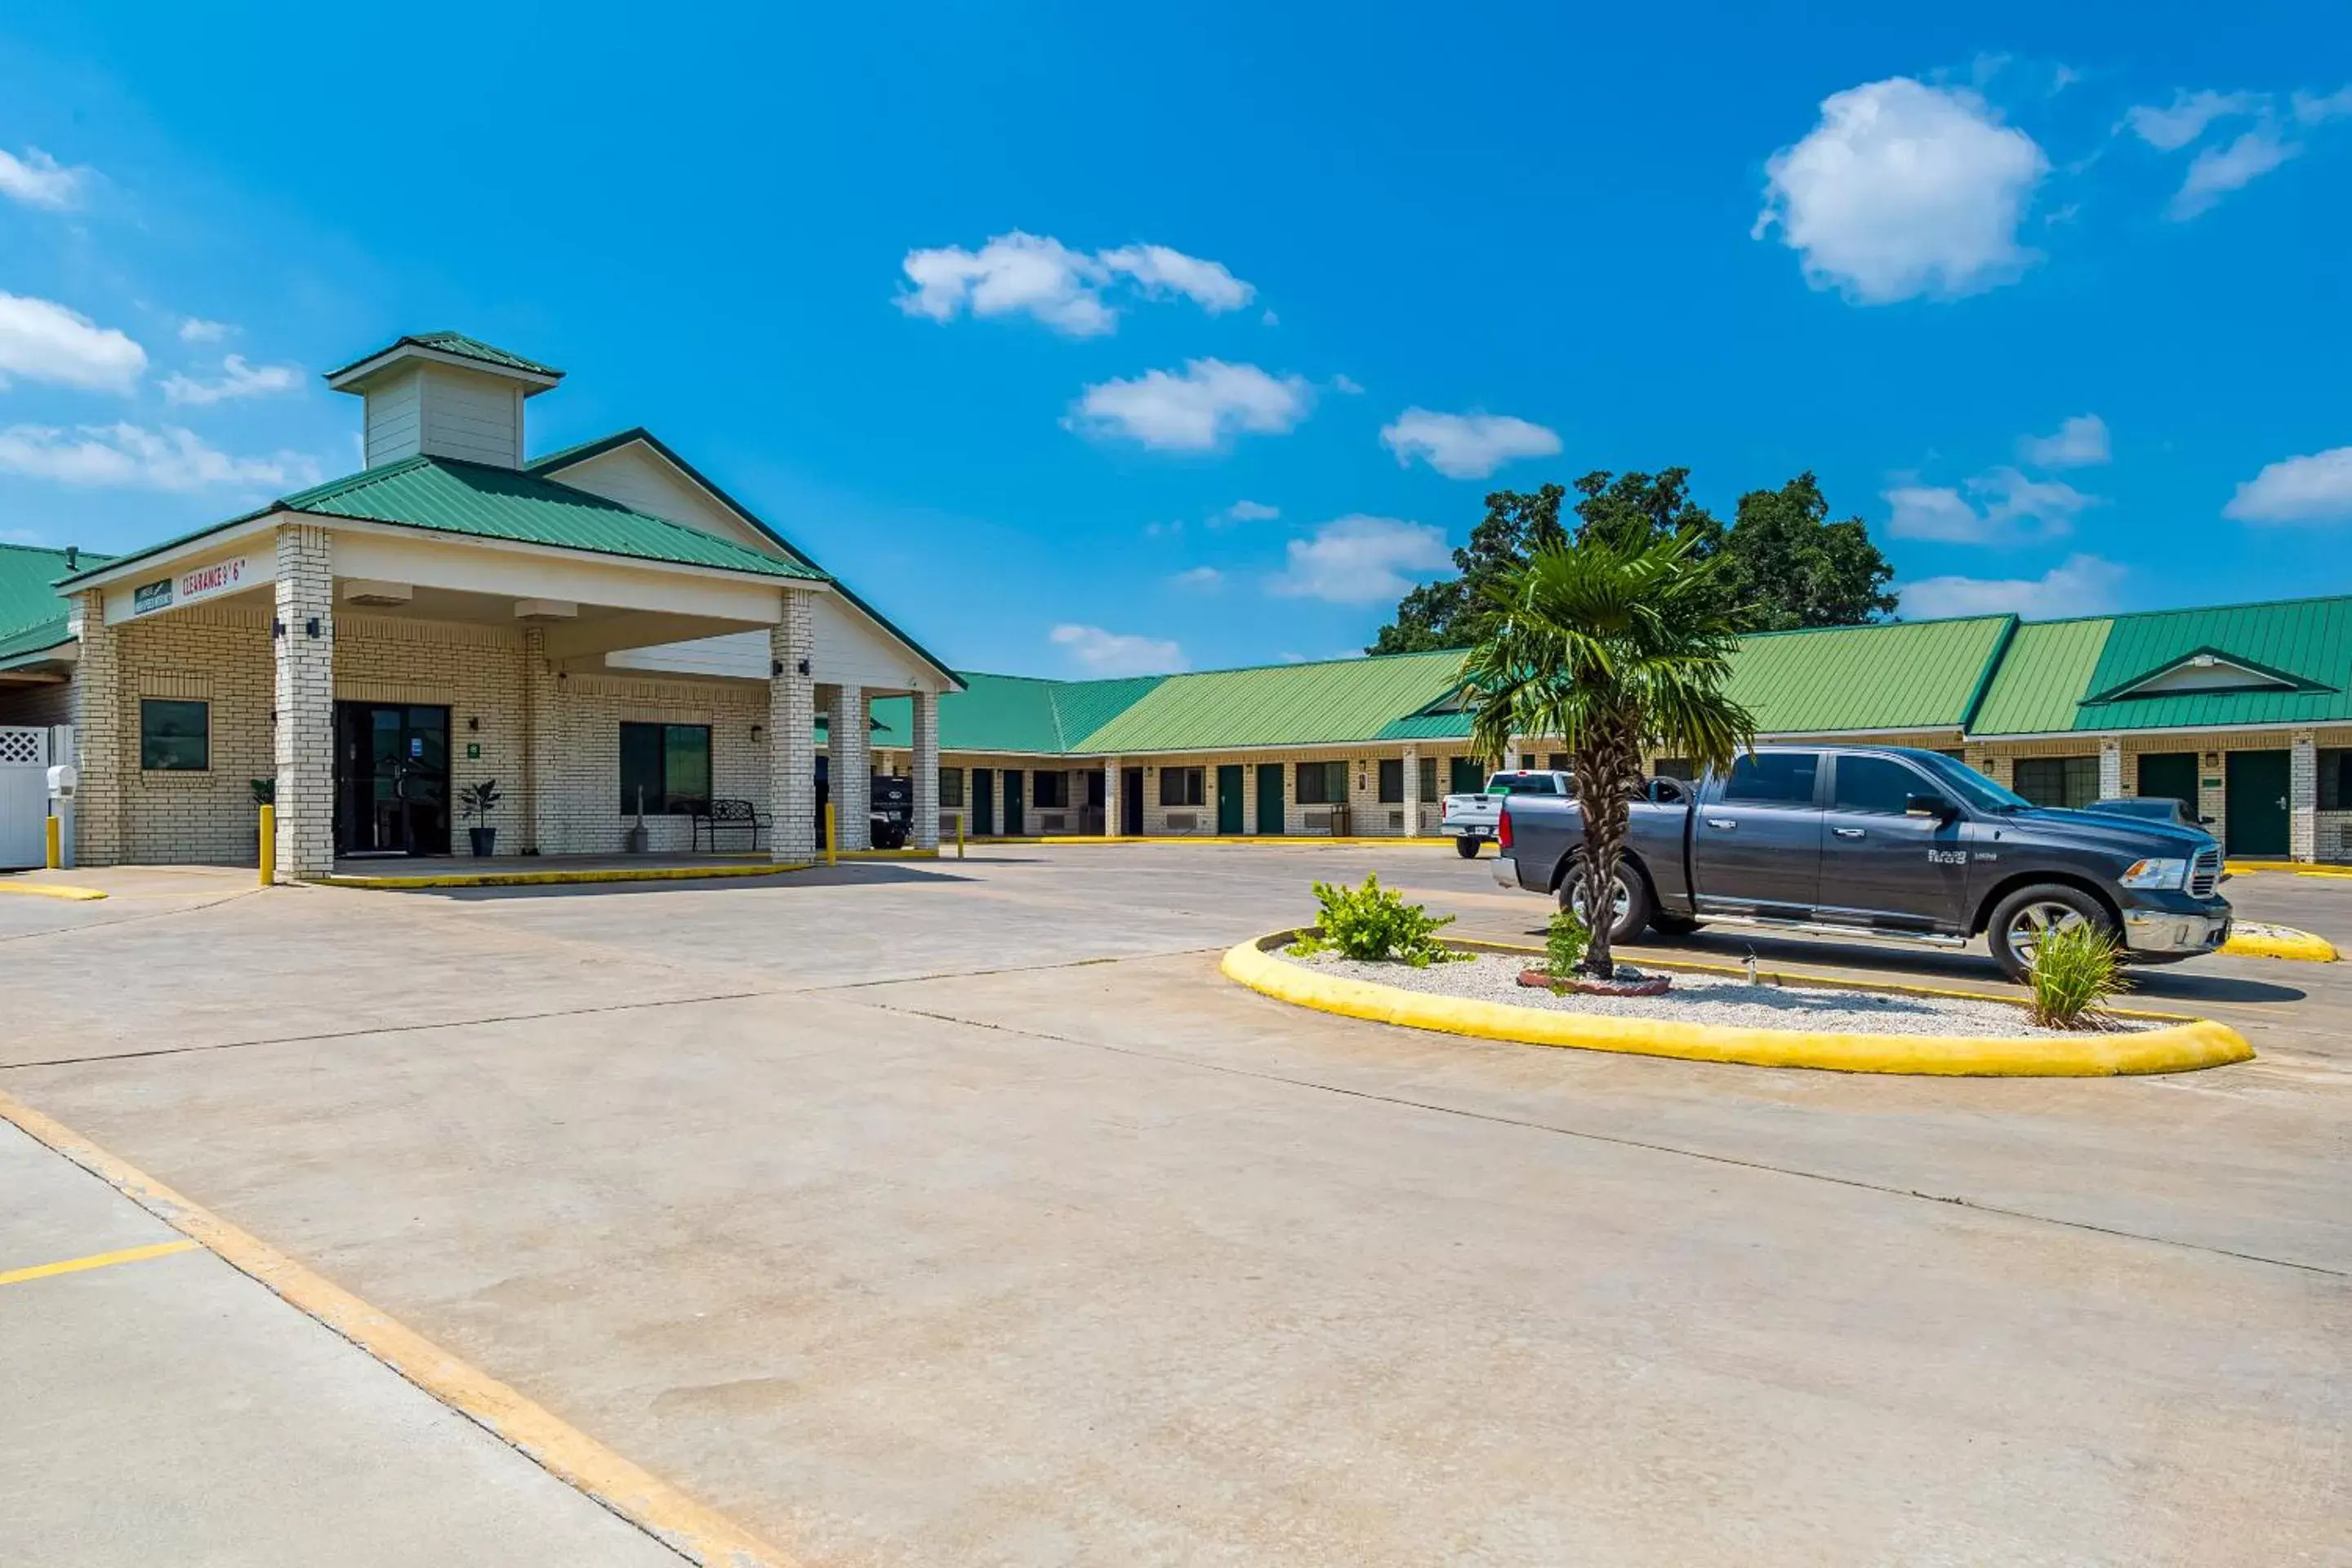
{"x":1038,"y":276}
{"x":2313,"y":489}
{"x":1202,"y":579}
{"x":1250,"y":511}
{"x":238,"y":378}
{"x":2008,"y":501}
{"x":2078,"y":443}
{"x":1099,"y":652}
{"x":40,"y":340}
{"x":2217,"y":171}
{"x":1465,"y":446}
{"x":128,"y":456}
{"x":38,"y":180}
{"x":1347,"y":384}
{"x":1904,"y":190}
{"x":1359,"y":560}
{"x":1933,"y":512}
{"x":2084,"y":585}
{"x":197,"y":330}
{"x":2314,"y":109}
{"x":2172,"y":128}
{"x":1196,"y":411}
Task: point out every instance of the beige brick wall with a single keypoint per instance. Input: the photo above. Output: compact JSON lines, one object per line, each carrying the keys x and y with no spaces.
{"x":1370,"y":816}
{"x":581,"y":789}
{"x":218,"y":656}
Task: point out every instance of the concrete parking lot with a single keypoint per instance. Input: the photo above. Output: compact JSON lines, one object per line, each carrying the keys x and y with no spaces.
{"x":961,"y":1213}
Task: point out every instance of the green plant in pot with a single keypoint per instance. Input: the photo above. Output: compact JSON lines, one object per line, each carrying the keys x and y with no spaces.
{"x":475,"y":803}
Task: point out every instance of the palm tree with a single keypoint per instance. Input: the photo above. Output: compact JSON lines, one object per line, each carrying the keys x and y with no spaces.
{"x":1617,"y":647}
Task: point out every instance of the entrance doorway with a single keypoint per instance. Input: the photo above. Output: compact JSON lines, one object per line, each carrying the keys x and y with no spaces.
{"x":983,"y":802}
{"x":1013,"y":825}
{"x":392,"y":779}
{"x":2255,"y":796}
{"x":1130,"y":801}
{"x":1229,"y":799}
{"x":1269,"y":797}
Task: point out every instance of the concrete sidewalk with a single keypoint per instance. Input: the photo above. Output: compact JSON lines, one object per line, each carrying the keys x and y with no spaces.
{"x":168,"y":1409}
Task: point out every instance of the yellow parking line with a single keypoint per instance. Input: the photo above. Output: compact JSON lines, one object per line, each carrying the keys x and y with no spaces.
{"x":695,"y":1530}
{"x":97,"y":1260}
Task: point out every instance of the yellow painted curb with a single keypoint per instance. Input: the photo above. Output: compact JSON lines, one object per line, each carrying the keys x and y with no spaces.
{"x":2295,"y":868}
{"x":49,"y":890}
{"x":694,"y":1530}
{"x":1306,"y":841}
{"x":559,"y":877}
{"x":2199,"y":1043}
{"x":890,"y":854}
{"x":2260,"y":941}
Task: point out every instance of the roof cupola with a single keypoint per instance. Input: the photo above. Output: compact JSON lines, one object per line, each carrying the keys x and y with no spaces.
{"x":444,"y":395}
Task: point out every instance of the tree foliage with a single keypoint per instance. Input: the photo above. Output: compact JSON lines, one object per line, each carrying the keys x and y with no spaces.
{"x":1620,"y":643}
{"x":1783,"y":563}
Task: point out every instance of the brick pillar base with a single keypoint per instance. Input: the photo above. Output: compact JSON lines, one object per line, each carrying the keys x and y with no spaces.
{"x":851,"y":772}
{"x":924,"y":764}
{"x":99,"y":754}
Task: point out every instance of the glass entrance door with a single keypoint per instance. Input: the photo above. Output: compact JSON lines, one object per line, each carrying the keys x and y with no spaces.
{"x":392,"y":779}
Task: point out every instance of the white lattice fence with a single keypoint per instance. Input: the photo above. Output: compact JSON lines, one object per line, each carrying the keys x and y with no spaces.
{"x":23,"y":795}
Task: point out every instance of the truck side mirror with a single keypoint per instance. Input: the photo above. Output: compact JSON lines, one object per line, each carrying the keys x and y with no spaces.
{"x":1934,"y":806}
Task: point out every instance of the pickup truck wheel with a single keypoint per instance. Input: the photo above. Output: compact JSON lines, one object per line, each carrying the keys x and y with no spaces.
{"x":2021,"y":920}
{"x":1630,"y":904}
{"x":1466,"y":847}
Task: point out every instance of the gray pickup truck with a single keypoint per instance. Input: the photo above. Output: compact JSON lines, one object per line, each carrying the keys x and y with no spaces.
{"x":1888,"y":842}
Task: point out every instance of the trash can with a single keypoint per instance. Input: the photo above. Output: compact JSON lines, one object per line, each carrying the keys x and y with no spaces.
{"x":1340,"y":822}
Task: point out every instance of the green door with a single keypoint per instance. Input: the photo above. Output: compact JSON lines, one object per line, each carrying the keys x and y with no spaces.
{"x":1013,"y":825}
{"x":1229,"y":799}
{"x":2256,"y":803}
{"x":1466,"y":776}
{"x":1269,"y":797}
{"x":2169,"y":775}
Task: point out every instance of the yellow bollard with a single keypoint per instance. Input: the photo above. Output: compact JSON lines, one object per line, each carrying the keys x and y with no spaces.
{"x":269,"y":845}
{"x":832,"y":850}
{"x":56,"y":850}
{"x":958,"y":835}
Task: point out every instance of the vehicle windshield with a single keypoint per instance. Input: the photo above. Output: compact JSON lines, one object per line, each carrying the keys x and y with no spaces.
{"x":1970,"y":785}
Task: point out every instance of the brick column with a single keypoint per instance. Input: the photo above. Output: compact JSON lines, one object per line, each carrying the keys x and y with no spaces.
{"x":1412,"y":792}
{"x":99,"y":754}
{"x":2111,"y":766}
{"x":1111,"y":808}
{"x":791,"y":735}
{"x":542,"y":819}
{"x":305,"y":737}
{"x":851,"y":771}
{"x":2303,"y":798}
{"x":924,"y":764}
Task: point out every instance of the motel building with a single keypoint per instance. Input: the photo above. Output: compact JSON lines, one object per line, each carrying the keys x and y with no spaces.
{"x":616,"y":642}
{"x":600,"y":631}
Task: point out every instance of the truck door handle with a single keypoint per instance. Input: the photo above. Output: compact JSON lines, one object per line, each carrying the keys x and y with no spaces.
{"x":1847,"y":831}
{"x":1724,"y":823}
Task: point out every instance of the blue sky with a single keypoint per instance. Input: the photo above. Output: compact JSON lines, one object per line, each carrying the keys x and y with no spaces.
{"x":1087,"y":340}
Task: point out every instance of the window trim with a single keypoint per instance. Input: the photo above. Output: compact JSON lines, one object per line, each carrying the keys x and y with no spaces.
{"x":1323,"y":773}
{"x":204,"y":736}
{"x":1387,"y":767}
{"x":1194,"y":786}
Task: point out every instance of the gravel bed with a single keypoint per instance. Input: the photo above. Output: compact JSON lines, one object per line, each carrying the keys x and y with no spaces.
{"x":1709,"y":999}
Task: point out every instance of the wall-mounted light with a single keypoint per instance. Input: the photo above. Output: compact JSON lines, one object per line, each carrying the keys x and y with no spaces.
{"x":310,"y":626}
{"x":277,"y":628}
{"x":775,"y":668}
{"x":756,"y":732}
{"x":474,"y":722}
{"x":803,"y":666}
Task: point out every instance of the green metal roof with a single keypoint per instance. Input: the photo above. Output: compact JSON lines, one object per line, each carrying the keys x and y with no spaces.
{"x":460,"y":345}
{"x":485,"y":502}
{"x":2042,"y":677}
{"x":1331,"y":702}
{"x":32,"y":612}
{"x":1019,"y":714}
{"x":1900,"y":675}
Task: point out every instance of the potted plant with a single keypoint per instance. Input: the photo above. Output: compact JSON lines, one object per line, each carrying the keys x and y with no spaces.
{"x":475,"y":802}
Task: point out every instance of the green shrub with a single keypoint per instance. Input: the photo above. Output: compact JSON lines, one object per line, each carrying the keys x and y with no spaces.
{"x":2075,"y":969}
{"x":1564,"y":944}
{"x":1373,"y":924}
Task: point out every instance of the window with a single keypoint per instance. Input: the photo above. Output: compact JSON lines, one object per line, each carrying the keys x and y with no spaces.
{"x":175,"y":737}
{"x":1875,"y":783}
{"x":1774,"y":778}
{"x":1392,"y":781}
{"x":1522,"y":783}
{"x":1322,"y":784}
{"x":1429,"y":778}
{"x":1180,"y":786}
{"x":667,"y":767}
{"x":1556,"y":762}
{"x":1053,"y":789}
{"x":2058,"y":781}
{"x":951,"y":788}
{"x":2334,"y":781}
{"x":1674,"y":768}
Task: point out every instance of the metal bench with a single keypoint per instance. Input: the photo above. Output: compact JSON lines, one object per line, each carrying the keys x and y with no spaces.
{"x":728,"y":816}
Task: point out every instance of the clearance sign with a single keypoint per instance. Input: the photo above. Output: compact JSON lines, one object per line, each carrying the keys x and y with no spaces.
{"x":192,"y":587}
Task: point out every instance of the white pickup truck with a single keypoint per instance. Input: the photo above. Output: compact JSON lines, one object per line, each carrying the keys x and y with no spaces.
{"x":1470,"y":819}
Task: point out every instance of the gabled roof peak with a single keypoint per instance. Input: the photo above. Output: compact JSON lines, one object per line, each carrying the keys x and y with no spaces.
{"x":445,"y":348}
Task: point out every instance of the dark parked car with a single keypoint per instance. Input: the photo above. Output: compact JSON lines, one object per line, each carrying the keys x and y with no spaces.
{"x":1884,"y":842}
{"x":891,"y":812}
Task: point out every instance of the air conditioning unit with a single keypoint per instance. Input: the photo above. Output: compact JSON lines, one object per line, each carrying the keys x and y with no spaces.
{"x":1183,"y":821}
